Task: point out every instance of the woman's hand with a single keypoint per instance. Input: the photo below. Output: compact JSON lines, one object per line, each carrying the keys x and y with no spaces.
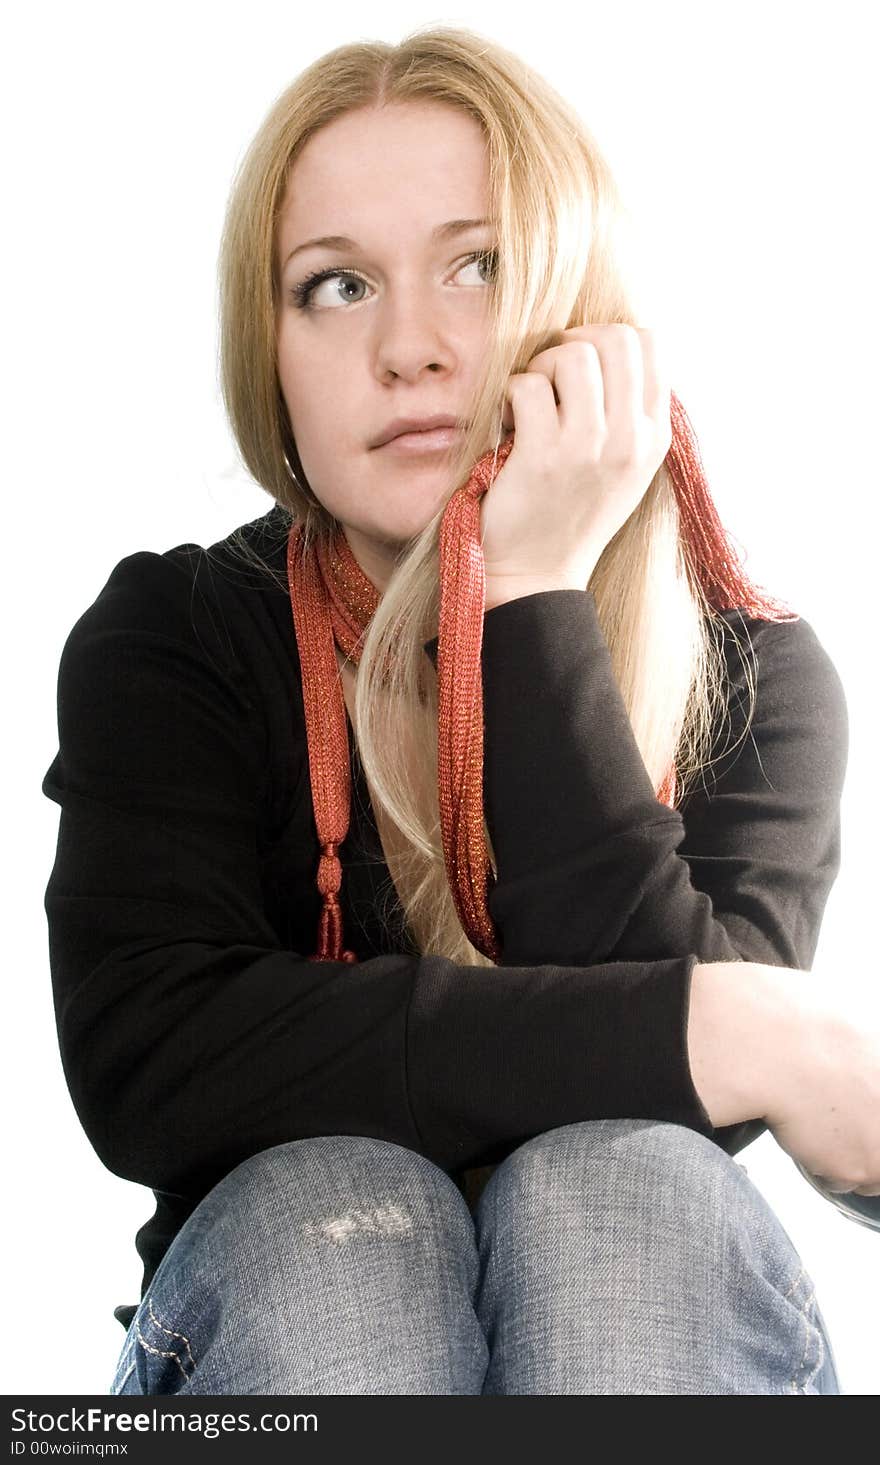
{"x":825,"y":1110}
{"x":591,"y":419}
{"x":766,"y":1042}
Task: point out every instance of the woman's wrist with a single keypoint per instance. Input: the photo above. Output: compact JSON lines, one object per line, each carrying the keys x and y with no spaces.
{"x":745,"y":1030}
{"x":502,"y":589}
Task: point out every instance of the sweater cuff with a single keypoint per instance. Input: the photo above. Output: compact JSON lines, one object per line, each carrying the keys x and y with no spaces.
{"x":483,"y":1071}
{"x":496,"y":622}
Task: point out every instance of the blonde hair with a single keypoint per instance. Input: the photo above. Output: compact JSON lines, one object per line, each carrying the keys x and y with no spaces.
{"x":557,"y":213}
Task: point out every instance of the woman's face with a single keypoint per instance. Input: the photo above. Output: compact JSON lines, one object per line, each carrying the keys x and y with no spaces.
{"x":399,"y":329}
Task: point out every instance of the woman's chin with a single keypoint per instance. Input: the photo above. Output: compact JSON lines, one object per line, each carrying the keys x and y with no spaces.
{"x":408,"y":518}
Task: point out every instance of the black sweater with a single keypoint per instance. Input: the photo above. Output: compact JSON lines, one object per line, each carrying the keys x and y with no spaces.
{"x":182,"y":904}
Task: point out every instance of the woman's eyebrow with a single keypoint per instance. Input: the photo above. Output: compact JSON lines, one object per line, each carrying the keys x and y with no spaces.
{"x":341,"y":242}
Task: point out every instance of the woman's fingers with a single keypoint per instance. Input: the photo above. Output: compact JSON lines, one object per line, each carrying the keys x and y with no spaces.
{"x":585,"y":453}
{"x":620,"y":352}
{"x":583,"y":382}
{"x":532,"y":412}
{"x":611,"y":382}
{"x":658,"y":389}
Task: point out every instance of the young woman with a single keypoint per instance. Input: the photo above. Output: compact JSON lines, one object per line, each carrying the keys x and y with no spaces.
{"x":442,"y":855}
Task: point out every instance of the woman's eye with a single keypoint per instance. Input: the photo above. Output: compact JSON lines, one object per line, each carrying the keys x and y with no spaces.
{"x":336,"y":282}
{"x":486,"y":260}
{"x":330,"y":289}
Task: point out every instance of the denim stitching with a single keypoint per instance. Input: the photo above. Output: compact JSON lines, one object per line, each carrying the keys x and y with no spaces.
{"x":807,"y":1326}
{"x":170,"y":1331}
{"x":160,"y":1352}
{"x":804,"y":1312}
{"x":795,"y":1285}
{"x":794,"y":1288}
{"x":812,"y":1328}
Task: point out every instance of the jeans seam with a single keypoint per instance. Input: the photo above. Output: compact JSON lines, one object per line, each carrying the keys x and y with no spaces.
{"x":810,"y":1319}
{"x":803,"y":1309}
{"x":165,"y":1352}
{"x":170,"y":1331}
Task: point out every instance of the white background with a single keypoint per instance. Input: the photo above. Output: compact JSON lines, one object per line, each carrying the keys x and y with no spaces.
{"x":744,"y":142}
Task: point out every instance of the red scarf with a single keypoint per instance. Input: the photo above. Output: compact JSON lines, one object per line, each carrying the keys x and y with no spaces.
{"x":333,"y":601}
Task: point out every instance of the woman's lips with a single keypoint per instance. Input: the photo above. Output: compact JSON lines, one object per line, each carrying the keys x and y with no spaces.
{"x":435,"y":440}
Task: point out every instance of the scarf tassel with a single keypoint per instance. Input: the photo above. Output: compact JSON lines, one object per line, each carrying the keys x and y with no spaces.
{"x":330,"y":936}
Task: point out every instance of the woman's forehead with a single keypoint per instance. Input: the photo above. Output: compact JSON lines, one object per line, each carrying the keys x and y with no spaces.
{"x":428,"y":172}
{"x":389,"y":146}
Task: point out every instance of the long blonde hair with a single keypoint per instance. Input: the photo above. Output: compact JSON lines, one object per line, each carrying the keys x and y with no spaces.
{"x":558,"y":213}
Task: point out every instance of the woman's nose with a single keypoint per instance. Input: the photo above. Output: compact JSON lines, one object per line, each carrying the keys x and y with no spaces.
{"x":411,"y":337}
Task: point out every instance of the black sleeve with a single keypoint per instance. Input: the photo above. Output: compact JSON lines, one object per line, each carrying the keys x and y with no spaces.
{"x":191,"y":1039}
{"x":606,"y":872}
{"x":592,"y":869}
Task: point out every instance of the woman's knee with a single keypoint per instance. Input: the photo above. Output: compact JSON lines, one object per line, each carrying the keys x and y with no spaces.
{"x":644,"y":1167}
{"x":285,"y":1211}
{"x":659,"y":1265}
{"x":661,"y":1193}
{"x":336,"y":1186}
{"x":283,"y":1273}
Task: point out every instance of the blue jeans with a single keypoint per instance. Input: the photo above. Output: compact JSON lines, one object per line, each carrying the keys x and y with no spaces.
{"x":614,"y":1256}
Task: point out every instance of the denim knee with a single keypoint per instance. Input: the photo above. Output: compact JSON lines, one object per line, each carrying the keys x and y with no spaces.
{"x":332,"y":1186}
{"x":660,"y":1175}
{"x":628,"y":1255}
{"x":335,"y":1264}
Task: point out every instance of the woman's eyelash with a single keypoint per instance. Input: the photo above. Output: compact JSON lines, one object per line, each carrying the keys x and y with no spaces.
{"x":302,"y":292}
